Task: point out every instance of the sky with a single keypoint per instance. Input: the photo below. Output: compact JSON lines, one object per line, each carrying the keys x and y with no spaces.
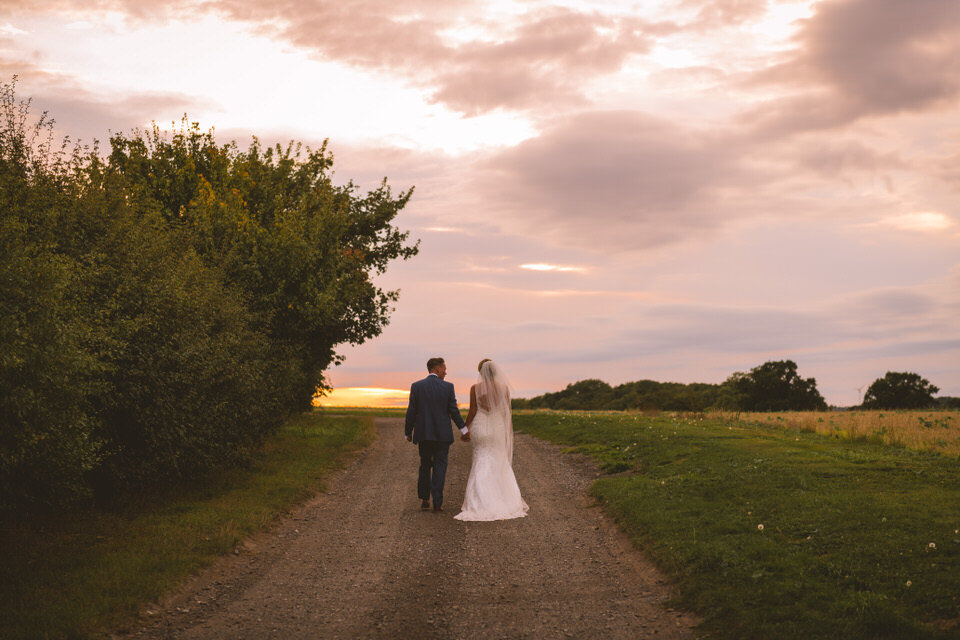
{"x":669,"y":189}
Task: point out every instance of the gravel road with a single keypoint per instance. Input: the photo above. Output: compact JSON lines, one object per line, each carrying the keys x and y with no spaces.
{"x":362,"y":560}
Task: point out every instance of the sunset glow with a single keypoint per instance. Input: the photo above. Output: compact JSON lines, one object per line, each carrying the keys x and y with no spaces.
{"x":550,"y":267}
{"x":363,"y":397}
{"x":925,"y":221}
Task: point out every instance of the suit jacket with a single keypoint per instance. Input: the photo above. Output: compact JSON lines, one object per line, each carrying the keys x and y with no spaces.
{"x":433,"y":403}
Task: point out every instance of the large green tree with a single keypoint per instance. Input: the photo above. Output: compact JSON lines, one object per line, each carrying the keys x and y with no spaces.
{"x":163,"y":306}
{"x":301,"y":248}
{"x":772,"y":386}
{"x":48,"y":372}
{"x":900,"y":390}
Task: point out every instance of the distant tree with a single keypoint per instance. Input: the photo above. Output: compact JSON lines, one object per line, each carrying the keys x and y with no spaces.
{"x":642,"y":394}
{"x":585,"y":394}
{"x":772,"y":386}
{"x":898,"y":390}
{"x":732,"y":394}
{"x":519,"y":403}
{"x":947,"y":402}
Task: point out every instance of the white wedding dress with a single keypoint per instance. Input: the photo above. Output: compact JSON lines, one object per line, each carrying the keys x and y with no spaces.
{"x":492,"y":491}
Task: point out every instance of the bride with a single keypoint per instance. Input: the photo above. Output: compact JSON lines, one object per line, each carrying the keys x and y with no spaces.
{"x":492,"y":491}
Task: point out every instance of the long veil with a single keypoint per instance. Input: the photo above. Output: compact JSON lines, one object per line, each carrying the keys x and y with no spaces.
{"x":493,"y":394}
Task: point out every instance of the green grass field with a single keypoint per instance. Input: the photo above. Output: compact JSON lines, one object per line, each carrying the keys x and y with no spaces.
{"x":81,"y":574}
{"x":780,"y":534}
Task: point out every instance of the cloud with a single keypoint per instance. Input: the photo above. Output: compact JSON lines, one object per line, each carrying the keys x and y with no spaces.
{"x":11,"y":31}
{"x":614,"y":177}
{"x":720,"y":329}
{"x":543,"y":57}
{"x":924,"y":221}
{"x":909,"y":352}
{"x":886,"y":55}
{"x":718,"y":13}
{"x":899,"y":323}
{"x":885,"y":304}
{"x":832,"y":159}
{"x":888,"y":320}
{"x":546,"y":61}
{"x":134,"y":9}
{"x":859,"y":58}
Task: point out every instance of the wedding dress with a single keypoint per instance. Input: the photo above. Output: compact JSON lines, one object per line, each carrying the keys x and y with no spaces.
{"x":492,"y":492}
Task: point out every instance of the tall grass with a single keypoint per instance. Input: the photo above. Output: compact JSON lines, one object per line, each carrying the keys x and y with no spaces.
{"x":920,"y":430}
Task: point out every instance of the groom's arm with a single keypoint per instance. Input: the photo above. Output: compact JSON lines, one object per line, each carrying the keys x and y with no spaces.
{"x":411,"y":413}
{"x":454,"y":411}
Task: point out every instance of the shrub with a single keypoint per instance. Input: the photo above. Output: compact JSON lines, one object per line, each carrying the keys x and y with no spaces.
{"x":164,"y":307}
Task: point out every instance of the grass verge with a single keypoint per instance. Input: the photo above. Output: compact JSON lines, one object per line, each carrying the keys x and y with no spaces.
{"x":79,"y":575}
{"x":772,"y":534}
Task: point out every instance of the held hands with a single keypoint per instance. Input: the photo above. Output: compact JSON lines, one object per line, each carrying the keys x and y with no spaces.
{"x":465,"y":436}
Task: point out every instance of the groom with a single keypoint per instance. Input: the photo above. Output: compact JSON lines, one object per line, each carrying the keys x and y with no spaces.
{"x":433,"y":404}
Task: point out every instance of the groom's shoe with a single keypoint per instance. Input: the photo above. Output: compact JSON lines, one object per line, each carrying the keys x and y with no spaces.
{"x":424,"y":505}
{"x":437,"y":508}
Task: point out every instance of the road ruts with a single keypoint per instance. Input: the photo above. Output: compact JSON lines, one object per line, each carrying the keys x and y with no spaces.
{"x":362,"y":561}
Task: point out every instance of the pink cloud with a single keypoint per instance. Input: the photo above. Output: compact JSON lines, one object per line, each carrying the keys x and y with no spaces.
{"x":546,"y":62}
{"x":845,"y":158}
{"x":858,"y":58}
{"x":716,"y":13}
{"x":619,"y":178}
{"x":541,"y":58}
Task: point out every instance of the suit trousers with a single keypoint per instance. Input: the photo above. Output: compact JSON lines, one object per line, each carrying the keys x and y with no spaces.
{"x":433,"y":470}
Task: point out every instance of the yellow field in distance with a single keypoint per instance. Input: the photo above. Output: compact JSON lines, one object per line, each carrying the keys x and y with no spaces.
{"x":922,"y":430}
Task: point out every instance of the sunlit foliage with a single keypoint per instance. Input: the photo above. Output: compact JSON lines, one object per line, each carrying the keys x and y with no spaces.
{"x":164,"y":305}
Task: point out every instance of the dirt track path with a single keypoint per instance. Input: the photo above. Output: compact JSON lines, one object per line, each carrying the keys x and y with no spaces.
{"x":363,"y":561}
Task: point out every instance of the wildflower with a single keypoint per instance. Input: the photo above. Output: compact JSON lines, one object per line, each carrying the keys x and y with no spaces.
{"x":932,"y":545}
{"x":760,"y":527}
{"x":909,"y":583}
{"x":883,"y":519}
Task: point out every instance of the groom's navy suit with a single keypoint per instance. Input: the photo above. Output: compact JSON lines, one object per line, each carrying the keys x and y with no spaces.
{"x":433,"y":403}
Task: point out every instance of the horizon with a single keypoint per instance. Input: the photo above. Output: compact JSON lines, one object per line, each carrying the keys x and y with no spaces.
{"x":367,"y":397}
{"x":672,"y":190}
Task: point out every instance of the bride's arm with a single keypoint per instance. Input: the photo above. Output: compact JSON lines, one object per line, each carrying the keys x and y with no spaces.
{"x":473,"y":405}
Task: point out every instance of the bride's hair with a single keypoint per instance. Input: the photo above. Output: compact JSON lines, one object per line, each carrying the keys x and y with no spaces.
{"x":480,"y":366}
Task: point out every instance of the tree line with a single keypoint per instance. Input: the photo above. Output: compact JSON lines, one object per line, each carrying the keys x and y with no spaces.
{"x":165,"y":305}
{"x":772,"y":386}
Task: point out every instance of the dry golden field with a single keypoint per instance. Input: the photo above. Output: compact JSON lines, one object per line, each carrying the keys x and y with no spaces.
{"x":923,"y":430}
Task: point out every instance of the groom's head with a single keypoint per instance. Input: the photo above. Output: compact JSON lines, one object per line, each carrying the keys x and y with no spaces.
{"x":437,"y":366}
